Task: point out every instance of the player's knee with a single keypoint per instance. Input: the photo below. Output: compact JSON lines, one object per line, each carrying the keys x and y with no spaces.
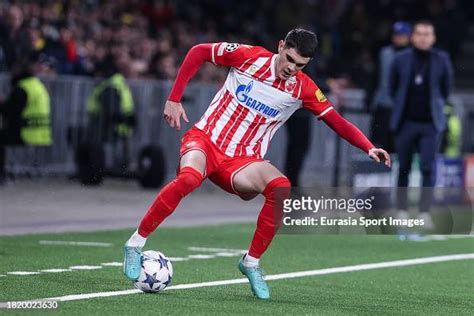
{"x":189,"y":179}
{"x":277,"y":190}
{"x":280,"y":185}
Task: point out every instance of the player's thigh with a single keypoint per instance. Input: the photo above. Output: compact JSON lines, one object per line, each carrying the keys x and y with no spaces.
{"x":194,"y":158}
{"x":255,"y":177}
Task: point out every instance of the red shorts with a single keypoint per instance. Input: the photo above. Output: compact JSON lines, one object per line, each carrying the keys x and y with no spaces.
{"x":220,"y":168}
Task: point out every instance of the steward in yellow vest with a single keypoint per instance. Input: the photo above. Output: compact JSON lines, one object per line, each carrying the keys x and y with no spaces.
{"x":36,"y":116}
{"x":25,"y":116}
{"x":111,"y":109}
{"x":451,"y":142}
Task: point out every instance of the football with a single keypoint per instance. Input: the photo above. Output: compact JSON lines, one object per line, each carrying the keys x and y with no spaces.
{"x":156,"y":272}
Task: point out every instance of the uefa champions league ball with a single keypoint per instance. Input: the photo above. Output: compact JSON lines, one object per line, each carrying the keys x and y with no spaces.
{"x":156,"y":272}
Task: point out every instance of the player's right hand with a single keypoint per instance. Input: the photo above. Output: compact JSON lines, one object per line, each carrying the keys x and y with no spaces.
{"x":172,"y":114}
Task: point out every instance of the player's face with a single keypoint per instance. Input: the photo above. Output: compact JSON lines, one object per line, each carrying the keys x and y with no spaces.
{"x":423,"y":36}
{"x":289,"y":62}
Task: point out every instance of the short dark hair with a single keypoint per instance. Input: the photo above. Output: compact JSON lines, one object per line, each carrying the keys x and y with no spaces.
{"x":303,"y":41}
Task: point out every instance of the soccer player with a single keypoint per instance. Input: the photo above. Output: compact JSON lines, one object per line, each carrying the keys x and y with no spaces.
{"x":228,"y":143}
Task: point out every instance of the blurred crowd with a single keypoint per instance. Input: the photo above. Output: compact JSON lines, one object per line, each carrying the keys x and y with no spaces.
{"x":149,"y":38}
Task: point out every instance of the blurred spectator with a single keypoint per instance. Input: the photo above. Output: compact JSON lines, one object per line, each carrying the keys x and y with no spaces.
{"x":80,"y":36}
{"x":164,"y":66}
{"x":382,"y":102}
{"x":14,"y":39}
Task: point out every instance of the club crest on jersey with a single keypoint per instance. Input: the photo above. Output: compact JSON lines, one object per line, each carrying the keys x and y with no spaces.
{"x":242,"y":94}
{"x":290,"y":84}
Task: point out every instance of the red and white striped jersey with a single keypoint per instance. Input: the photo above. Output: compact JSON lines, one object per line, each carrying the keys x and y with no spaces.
{"x":253,"y":103}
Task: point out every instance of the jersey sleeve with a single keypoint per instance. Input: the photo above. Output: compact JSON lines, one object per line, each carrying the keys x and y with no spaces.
{"x":230,"y":54}
{"x":314,"y":99}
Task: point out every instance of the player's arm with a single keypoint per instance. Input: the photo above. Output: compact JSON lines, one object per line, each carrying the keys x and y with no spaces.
{"x":354,"y":136}
{"x":315,"y":101}
{"x":194,"y":59}
{"x":224,"y":54}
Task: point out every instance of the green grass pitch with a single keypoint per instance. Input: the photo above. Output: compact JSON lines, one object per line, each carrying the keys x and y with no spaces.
{"x":435,"y":288}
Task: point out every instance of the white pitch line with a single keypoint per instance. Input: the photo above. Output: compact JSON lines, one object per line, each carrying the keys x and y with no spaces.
{"x":291,"y":275}
{"x":178,"y":259}
{"x":23,"y":272}
{"x":85,"y":267}
{"x":75,"y":243}
{"x":201,"y":256}
{"x":205,"y":249}
{"x":55,"y":270}
{"x":112,"y":264}
{"x":93,"y":295}
{"x":227,"y":254}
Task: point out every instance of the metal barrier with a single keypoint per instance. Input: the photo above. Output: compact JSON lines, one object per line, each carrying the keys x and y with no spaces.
{"x":68,"y":109}
{"x":68,"y":99}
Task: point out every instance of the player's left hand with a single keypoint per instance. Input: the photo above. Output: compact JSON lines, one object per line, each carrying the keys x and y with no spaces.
{"x":380,"y":155}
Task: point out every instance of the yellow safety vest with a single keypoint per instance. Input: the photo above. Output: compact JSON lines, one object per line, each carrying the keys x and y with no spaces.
{"x":117,"y":82}
{"x":36,"y":116}
{"x":452,"y":134}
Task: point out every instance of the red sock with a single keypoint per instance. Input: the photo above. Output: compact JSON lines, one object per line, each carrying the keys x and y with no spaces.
{"x":270,"y":215}
{"x":188,"y":180}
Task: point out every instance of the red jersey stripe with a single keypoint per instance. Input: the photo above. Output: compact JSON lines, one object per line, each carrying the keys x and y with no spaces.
{"x":266,"y":74}
{"x":276,"y":83}
{"x":234,"y":128}
{"x":250,"y":134}
{"x":246,"y":64}
{"x":215,"y":116}
{"x":214,"y":113}
{"x":238,"y":110}
{"x":257,"y":146}
{"x":263,"y":69}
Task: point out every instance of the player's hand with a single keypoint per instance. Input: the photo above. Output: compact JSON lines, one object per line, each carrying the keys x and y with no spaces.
{"x":380,"y":155}
{"x":172,"y":114}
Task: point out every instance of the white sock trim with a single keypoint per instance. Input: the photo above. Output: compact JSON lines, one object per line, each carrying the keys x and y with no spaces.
{"x":250,"y":261}
{"x":136,"y":240}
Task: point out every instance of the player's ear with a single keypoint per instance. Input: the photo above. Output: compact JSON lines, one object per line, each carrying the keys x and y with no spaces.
{"x":281,"y":44}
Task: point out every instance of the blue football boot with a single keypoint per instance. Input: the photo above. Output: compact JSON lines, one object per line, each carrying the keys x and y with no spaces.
{"x":257,"y":283}
{"x":132,"y":263}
